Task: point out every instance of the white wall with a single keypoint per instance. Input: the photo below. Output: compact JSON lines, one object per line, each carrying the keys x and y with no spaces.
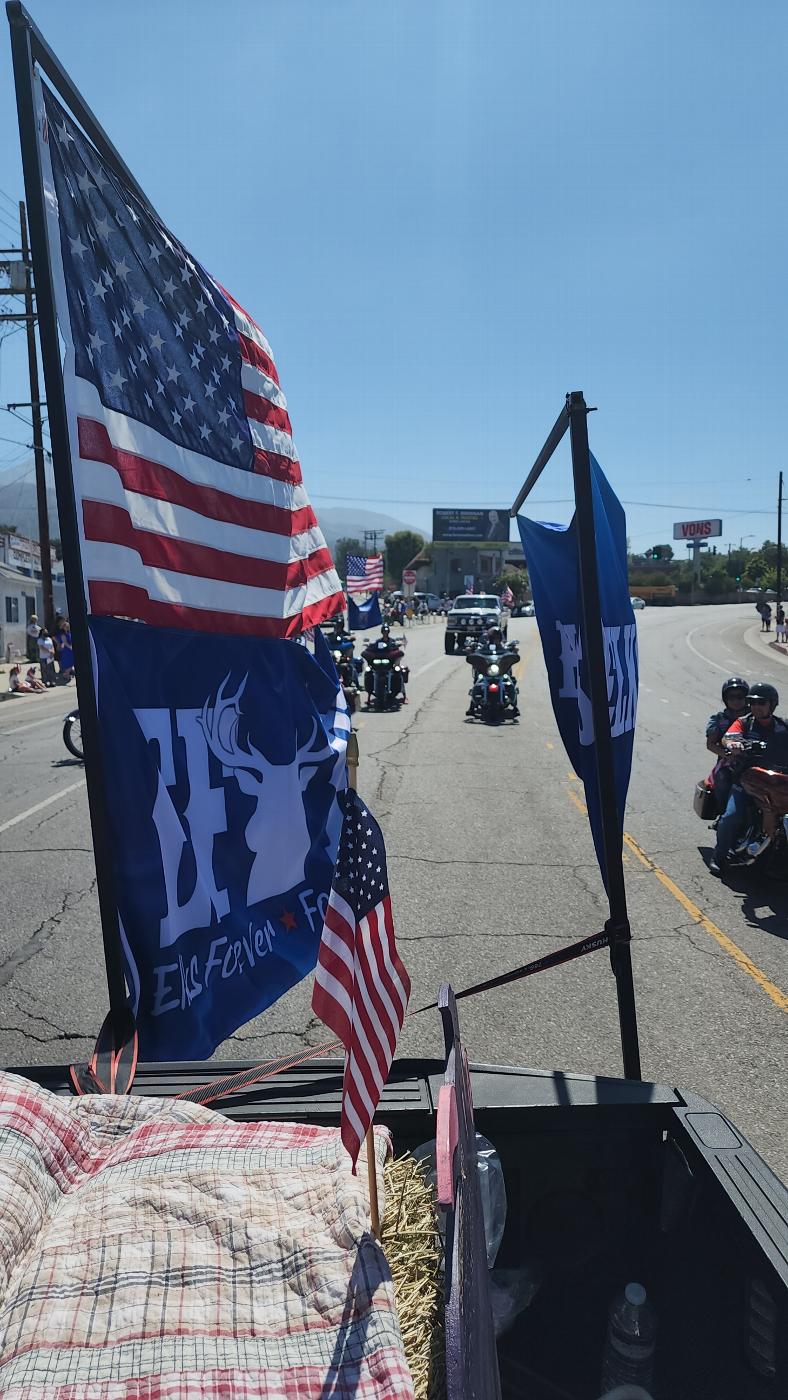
{"x":13,"y":633}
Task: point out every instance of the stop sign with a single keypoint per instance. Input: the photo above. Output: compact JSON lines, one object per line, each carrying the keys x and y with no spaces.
{"x":409,"y":576}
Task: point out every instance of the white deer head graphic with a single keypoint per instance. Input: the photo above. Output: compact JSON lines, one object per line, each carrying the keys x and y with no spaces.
{"x":277,"y":833}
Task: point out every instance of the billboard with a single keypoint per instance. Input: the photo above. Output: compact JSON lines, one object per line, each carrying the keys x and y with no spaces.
{"x":697,"y":529}
{"x":469,"y":526}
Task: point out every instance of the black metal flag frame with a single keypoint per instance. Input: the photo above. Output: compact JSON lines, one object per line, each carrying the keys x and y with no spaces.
{"x":573,"y":416}
{"x":29,"y":48}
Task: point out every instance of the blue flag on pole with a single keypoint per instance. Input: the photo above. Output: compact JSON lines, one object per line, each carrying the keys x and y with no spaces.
{"x":552,"y":559}
{"x":223,"y":758}
{"x":362,"y":616}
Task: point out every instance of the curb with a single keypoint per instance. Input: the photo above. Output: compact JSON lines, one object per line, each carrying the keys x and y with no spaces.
{"x":754,"y":638}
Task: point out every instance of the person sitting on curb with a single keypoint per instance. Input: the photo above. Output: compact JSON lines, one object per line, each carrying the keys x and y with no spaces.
{"x":32,"y":680}
{"x":17,"y":686}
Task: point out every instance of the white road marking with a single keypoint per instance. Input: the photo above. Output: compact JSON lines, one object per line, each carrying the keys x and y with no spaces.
{"x":664,"y":701}
{"x":699,"y":654}
{"x":686,"y":714}
{"x":39,"y":806}
{"x":20,"y":728}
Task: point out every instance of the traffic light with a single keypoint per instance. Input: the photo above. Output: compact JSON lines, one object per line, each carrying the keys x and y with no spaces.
{"x":656,"y":552}
{"x":714,"y":549}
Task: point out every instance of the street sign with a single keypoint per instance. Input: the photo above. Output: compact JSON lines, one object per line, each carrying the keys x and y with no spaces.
{"x":697,"y":529}
{"x":408,"y":576}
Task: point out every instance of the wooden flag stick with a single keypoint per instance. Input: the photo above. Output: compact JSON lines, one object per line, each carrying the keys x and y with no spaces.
{"x":372,"y":1175}
{"x":369,"y":1141}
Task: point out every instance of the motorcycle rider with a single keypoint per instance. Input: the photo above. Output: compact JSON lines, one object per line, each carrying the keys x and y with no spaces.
{"x":764,"y":725}
{"x":493,"y":644}
{"x":734,"y":699}
{"x":394,"y":652}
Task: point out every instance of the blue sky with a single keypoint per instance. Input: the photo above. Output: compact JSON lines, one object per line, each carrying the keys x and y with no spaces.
{"x":445,"y":215}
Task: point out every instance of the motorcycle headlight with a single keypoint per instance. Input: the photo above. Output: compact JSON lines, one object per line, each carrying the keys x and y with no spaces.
{"x":494,"y":671}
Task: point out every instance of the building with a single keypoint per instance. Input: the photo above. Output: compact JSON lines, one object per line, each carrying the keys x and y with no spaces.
{"x":17,"y":602}
{"x":21,"y":557}
{"x":447,"y":568}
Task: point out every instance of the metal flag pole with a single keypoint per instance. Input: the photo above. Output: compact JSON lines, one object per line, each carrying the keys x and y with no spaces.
{"x":594,"y":651}
{"x":573,"y":416}
{"x":779,"y":542}
{"x":25,"y":45}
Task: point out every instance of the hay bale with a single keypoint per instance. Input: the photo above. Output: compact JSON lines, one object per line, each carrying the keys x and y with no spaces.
{"x":414,"y":1251}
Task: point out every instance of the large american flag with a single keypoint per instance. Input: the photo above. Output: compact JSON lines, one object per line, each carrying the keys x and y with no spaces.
{"x":364,"y":575}
{"x":192,"y":510}
{"x":361,"y":987}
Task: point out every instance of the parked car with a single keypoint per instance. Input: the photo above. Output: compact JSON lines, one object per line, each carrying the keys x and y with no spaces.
{"x":523,"y":610}
{"x":638,"y":603}
{"x":432,"y":600}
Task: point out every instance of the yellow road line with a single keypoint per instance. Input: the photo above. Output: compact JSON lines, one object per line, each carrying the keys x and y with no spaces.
{"x":732,"y":949}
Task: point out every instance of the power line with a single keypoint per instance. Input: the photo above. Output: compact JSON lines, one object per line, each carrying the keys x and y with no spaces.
{"x":25,"y":474}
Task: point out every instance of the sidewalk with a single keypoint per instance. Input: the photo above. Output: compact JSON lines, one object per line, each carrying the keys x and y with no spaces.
{"x":765,"y":644}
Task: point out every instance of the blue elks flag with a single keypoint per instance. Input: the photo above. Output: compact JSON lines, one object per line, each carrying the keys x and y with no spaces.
{"x":552,"y":559}
{"x":223,"y":760}
{"x":362,"y":616}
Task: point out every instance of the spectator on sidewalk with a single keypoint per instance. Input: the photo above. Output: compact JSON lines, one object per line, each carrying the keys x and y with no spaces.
{"x":32,"y":680}
{"x":766,"y":615}
{"x":46,"y":658}
{"x":17,"y":686}
{"x":781,"y":630}
{"x":65,"y":653}
{"x":32,"y":630}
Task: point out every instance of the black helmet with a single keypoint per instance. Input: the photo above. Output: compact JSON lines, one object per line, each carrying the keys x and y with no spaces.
{"x":385,"y":630}
{"x":494,"y":632}
{"x":734,"y":683}
{"x":763,"y":691}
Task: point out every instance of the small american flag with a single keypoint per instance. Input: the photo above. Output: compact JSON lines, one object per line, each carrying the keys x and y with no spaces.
{"x":507,"y":597}
{"x":361,"y":987}
{"x":364,"y":575}
{"x":192,"y":510}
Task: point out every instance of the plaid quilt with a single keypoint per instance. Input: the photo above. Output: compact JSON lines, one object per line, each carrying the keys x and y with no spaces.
{"x":151,"y":1249}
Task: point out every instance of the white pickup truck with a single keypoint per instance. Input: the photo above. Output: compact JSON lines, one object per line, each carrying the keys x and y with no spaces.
{"x":470,"y":616}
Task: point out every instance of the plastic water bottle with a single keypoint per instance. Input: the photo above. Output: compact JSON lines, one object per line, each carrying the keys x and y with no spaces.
{"x":631,"y":1339}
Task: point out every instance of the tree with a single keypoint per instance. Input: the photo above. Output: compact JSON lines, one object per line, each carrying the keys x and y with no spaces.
{"x":715,"y":579}
{"x":401,"y":547}
{"x":347,"y":545}
{"x":6,"y":529}
{"x":516,"y":579}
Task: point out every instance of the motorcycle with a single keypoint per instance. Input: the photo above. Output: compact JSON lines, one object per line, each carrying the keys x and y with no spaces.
{"x":765,"y":838}
{"x":348,"y":668}
{"x":494,"y":691}
{"x":72,"y":735}
{"x":385,"y":677}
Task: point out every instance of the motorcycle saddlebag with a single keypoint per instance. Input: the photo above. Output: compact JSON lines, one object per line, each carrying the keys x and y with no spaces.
{"x":704,"y":801}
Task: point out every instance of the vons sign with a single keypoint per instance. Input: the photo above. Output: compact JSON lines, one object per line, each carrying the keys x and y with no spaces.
{"x":697,"y":529}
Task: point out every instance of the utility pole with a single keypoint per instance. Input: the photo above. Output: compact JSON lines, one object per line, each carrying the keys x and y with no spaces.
{"x":38,"y":441}
{"x":371,"y":539}
{"x":779,"y":540}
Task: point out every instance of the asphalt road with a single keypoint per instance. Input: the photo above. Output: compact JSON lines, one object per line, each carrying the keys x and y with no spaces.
{"x":491,"y":864}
